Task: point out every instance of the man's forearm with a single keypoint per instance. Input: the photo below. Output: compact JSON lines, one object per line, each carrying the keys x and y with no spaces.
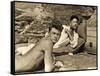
{"x":70,"y":37}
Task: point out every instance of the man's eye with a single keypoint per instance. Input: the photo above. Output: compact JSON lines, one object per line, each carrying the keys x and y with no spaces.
{"x":54,"y":33}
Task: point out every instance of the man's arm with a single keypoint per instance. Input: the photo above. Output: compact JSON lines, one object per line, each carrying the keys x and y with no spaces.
{"x":74,"y":43}
{"x":69,"y":35}
{"x":48,"y":58}
{"x":73,"y":40}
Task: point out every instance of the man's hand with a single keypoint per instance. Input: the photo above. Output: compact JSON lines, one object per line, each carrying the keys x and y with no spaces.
{"x":70,"y":37}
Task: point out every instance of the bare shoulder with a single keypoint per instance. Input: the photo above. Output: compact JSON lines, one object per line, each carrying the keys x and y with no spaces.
{"x":46,"y":43}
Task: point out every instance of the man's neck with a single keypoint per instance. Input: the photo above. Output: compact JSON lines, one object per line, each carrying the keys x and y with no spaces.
{"x":72,"y":31}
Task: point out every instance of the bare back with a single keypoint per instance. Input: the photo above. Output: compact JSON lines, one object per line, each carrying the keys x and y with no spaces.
{"x":33,"y":58}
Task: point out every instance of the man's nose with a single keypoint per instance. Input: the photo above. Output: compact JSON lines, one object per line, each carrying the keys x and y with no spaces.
{"x":74,"y":24}
{"x":56,"y":35}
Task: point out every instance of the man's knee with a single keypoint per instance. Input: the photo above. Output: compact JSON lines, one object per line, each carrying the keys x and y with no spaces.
{"x":80,"y":46}
{"x":81,"y":41}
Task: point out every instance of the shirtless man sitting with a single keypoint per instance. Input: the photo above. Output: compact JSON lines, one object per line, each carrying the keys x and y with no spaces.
{"x":41,"y":51}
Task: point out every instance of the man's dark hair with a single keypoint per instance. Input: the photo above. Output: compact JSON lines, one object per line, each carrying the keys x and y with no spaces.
{"x":74,"y":16}
{"x":56,"y":24}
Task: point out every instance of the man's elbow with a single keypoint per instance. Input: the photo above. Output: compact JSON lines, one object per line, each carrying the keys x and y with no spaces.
{"x":75,"y":45}
{"x":49,"y":69}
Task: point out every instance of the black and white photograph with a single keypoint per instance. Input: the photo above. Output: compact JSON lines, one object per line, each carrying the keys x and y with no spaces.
{"x":52,"y":37}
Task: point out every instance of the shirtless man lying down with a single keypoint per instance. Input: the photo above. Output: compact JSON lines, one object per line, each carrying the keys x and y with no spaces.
{"x":41,"y":51}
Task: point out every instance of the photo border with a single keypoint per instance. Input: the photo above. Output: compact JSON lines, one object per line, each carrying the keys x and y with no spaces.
{"x":13,"y":37}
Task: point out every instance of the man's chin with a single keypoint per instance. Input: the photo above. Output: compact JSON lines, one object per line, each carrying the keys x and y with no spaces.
{"x":54,"y":42}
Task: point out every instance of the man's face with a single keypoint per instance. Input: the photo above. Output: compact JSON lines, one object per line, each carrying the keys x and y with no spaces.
{"x":55,"y":35}
{"x":74,"y":23}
